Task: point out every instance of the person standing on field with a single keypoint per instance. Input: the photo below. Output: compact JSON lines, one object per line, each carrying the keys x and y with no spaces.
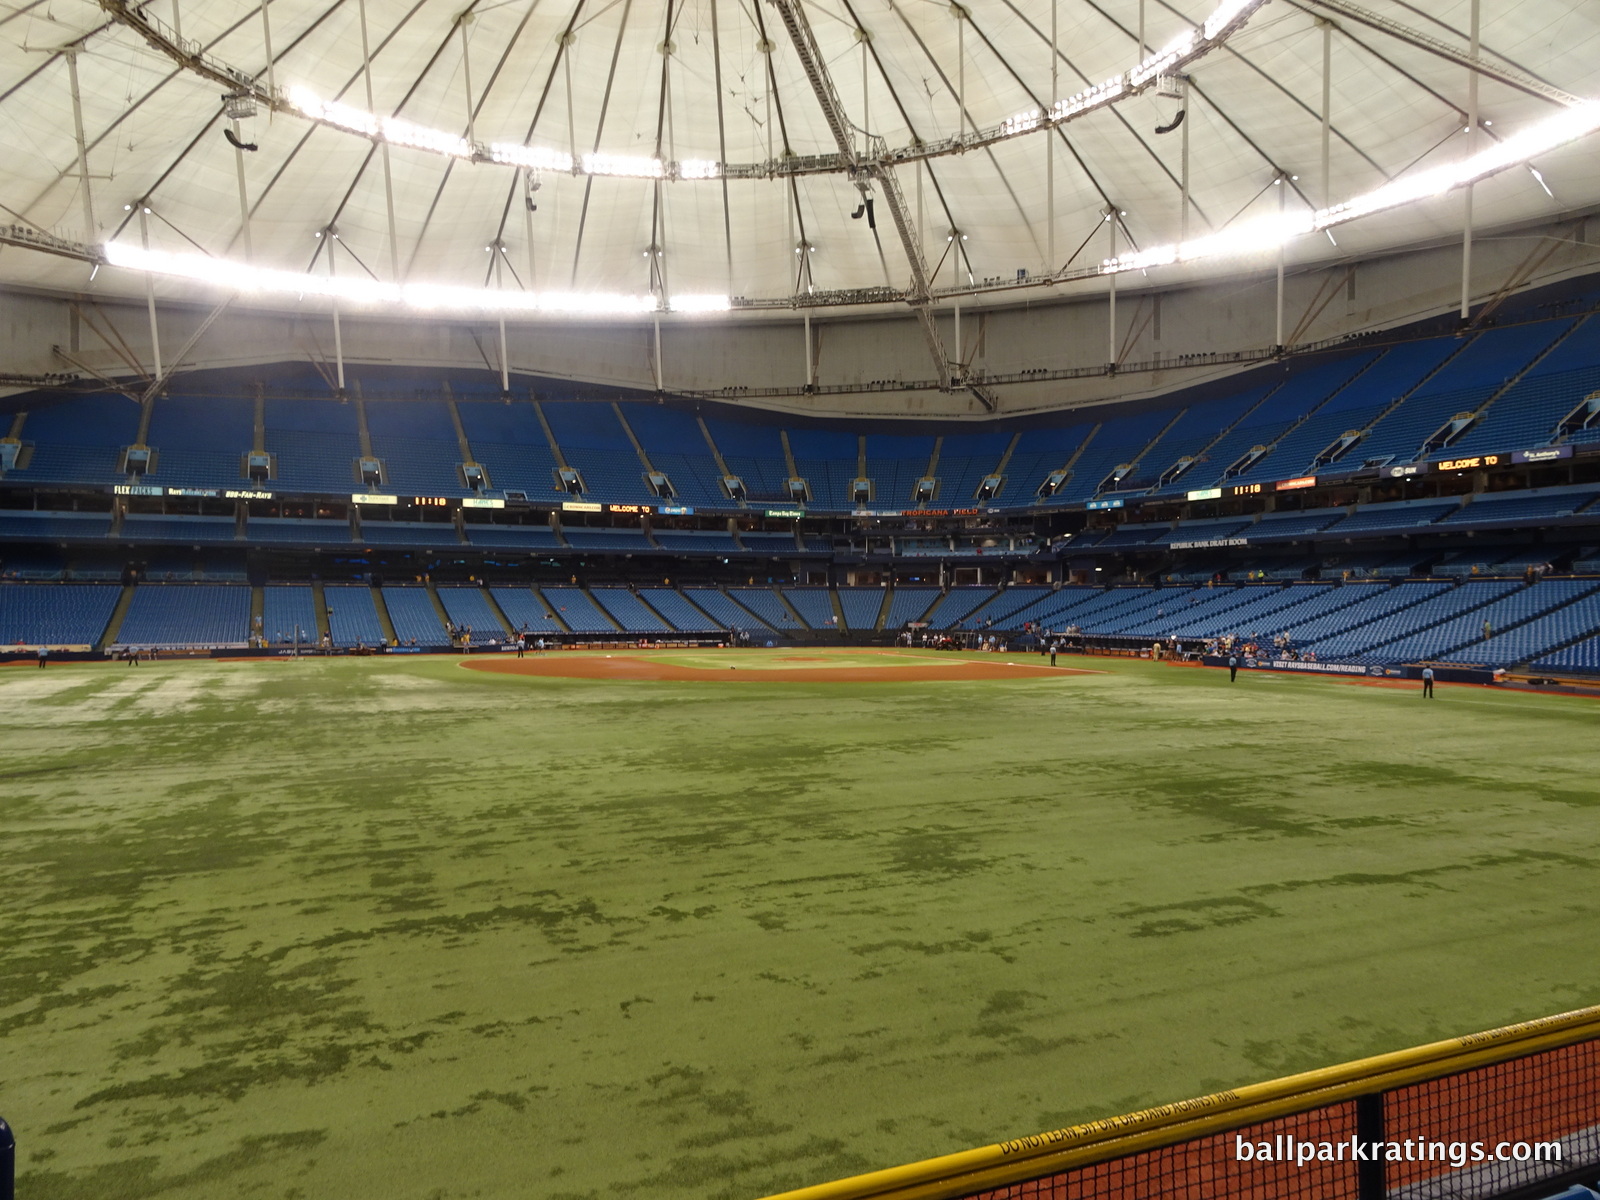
{"x":44,"y":657}
{"x":1233,"y":667}
{"x":1427,"y":683}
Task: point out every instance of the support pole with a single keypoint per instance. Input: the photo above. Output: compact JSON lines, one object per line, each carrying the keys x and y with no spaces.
{"x":1183,"y":185}
{"x":150,"y":288}
{"x":1283,"y":197}
{"x":1111,"y":297}
{"x":659,"y":373}
{"x":266,"y":42}
{"x":244,"y":198}
{"x":466,"y":68}
{"x":959,"y":358}
{"x":1327,"y":106}
{"x":1050,"y":140}
{"x":338,"y":333}
{"x":505,"y":362}
{"x":89,"y":232}
{"x":810,"y":365}
{"x":572,"y":125}
{"x":1472,"y":142}
{"x":527,"y":224}
{"x":383,"y":147}
{"x":961,"y":70}
{"x":177,"y":23}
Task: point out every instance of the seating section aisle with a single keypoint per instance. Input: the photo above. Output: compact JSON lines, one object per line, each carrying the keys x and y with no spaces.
{"x":78,"y":441}
{"x":908,"y":604}
{"x":315,"y":445}
{"x":289,"y":615}
{"x":200,"y":441}
{"x":525,"y":610}
{"x":728,"y":613}
{"x":55,"y":614}
{"x":416,"y":442}
{"x":413,"y":616}
{"x":1535,"y":638}
{"x":1468,"y":629}
{"x":626,"y":609}
{"x":764,"y":603}
{"x":468,"y":607}
{"x":352,"y":615}
{"x":175,"y":614}
{"x":1431,"y":610}
{"x":861,"y":606}
{"x":507,"y":440}
{"x":577,"y":610}
{"x":814,"y":604}
{"x":593,"y":441}
{"x":675,"y":446}
{"x":956,"y":604}
{"x":1582,"y":657}
{"x":683,"y":615}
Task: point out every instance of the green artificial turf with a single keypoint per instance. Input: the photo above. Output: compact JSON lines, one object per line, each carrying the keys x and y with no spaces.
{"x":394,"y":929}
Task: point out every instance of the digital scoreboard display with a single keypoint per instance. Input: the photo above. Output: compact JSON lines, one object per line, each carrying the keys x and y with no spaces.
{"x":1468,"y":464}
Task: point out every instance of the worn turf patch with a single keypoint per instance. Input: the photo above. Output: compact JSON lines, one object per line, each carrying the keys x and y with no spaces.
{"x":395,"y":929}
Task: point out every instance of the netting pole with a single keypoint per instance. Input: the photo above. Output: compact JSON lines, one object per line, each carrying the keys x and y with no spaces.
{"x":8,"y":1162}
{"x":1369,"y":1129}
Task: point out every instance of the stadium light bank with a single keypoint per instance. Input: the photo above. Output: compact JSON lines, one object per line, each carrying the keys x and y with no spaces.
{"x":1248,"y":238}
{"x":1270,"y":232}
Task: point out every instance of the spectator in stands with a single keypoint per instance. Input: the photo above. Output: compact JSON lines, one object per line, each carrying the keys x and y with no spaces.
{"x":1427,"y":683}
{"x":1488,"y":629}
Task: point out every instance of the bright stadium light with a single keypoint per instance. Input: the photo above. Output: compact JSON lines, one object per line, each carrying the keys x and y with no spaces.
{"x":626,"y":166}
{"x":536,"y":157}
{"x":1262,"y":234}
{"x":420,"y":297}
{"x":700,"y":304}
{"x":1268,"y":233}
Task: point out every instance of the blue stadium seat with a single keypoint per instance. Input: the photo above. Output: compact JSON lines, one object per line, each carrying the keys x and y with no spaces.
{"x":55,"y":614}
{"x":580,"y":613}
{"x":413,"y":616}
{"x":175,"y":614}
{"x":628,"y":611}
{"x":352,"y":615}
{"x":289,"y":615}
{"x":469,"y":607}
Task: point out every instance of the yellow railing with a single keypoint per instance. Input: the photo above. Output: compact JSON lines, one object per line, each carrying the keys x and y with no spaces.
{"x":1038,"y":1155}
